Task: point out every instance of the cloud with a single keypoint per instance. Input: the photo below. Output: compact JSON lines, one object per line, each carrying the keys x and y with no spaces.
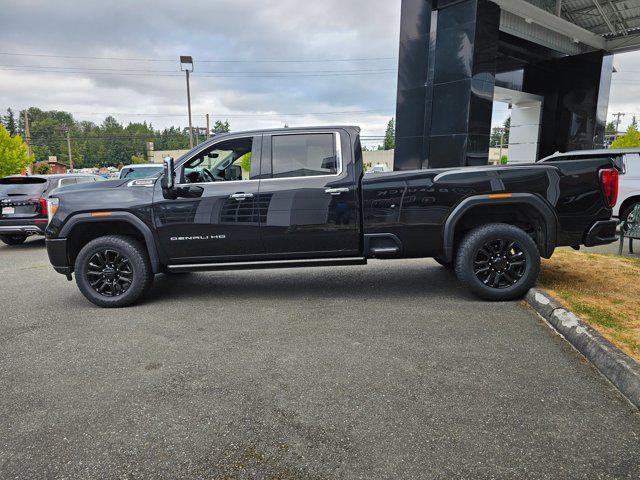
{"x":228,"y":30}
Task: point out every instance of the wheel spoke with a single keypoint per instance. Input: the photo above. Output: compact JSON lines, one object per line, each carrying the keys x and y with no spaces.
{"x":109,"y":273}
{"x":500,"y":263}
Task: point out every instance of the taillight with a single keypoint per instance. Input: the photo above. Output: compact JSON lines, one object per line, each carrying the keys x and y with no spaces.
{"x":43,"y":204}
{"x":609,"y":180}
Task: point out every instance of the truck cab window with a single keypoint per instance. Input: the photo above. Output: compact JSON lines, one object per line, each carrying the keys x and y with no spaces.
{"x":304,"y":155}
{"x":228,"y":161}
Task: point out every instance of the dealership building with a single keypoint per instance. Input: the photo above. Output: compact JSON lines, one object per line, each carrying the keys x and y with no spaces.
{"x":550,"y":60}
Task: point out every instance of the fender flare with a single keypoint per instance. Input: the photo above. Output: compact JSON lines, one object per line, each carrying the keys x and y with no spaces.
{"x":540,"y":205}
{"x":130,"y":218}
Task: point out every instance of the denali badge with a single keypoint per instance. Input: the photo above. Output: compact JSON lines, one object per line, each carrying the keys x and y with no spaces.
{"x":198,"y":237}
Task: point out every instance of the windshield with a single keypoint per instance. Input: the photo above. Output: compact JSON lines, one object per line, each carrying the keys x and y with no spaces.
{"x":142,"y":172}
{"x":22,"y":186}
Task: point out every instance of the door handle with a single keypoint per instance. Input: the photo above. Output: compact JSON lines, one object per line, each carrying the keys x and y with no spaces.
{"x":336,"y":191}
{"x":241,"y":196}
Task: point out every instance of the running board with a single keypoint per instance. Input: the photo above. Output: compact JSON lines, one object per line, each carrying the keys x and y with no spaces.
{"x":208,"y":267}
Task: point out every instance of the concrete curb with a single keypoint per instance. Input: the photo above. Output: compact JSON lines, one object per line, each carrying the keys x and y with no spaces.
{"x":621,"y":370}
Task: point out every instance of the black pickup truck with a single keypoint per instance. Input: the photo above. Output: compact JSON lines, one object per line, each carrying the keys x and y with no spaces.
{"x":300,"y":198}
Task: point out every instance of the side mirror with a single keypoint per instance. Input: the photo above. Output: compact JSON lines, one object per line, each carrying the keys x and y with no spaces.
{"x":168,"y":181}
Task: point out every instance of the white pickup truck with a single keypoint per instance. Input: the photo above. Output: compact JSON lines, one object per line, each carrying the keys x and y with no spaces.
{"x":629,"y":162}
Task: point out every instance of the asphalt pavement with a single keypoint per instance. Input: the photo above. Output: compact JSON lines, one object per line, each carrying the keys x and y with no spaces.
{"x":384,"y":371}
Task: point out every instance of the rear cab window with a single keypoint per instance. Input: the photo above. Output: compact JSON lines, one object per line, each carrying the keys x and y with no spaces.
{"x":304,"y":155}
{"x":13,"y":186}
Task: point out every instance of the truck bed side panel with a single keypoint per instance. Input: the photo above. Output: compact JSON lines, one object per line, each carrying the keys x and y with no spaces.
{"x":415,"y":205}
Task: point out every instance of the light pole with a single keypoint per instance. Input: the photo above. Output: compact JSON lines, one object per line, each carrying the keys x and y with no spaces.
{"x":186,"y":65}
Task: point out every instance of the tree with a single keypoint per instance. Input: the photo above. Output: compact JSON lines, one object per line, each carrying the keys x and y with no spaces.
{"x":610,"y":129}
{"x":507,"y":130}
{"x":221,"y":127}
{"x":41,"y":168}
{"x":496,"y":137}
{"x":137,"y":160}
{"x":10,"y":123}
{"x":500,"y":135}
{"x":631,"y":139}
{"x":245,"y":162}
{"x":13,"y":153}
{"x":390,"y":136}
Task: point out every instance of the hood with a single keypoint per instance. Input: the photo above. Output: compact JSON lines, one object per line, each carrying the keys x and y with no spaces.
{"x":92,"y":187}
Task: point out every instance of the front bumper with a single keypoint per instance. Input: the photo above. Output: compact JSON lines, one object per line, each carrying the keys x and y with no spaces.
{"x":602,"y":233}
{"x":57,"y":251}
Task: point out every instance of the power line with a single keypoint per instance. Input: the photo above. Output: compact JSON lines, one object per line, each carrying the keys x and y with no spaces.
{"x":205,"y":75}
{"x":230,"y":115}
{"x":279,"y":72}
{"x":306,"y":60}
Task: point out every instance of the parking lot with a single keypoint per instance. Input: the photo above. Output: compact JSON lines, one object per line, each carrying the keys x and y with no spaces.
{"x":384,"y":371}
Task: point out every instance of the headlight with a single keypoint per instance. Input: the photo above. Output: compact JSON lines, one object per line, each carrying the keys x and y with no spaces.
{"x":52,"y":207}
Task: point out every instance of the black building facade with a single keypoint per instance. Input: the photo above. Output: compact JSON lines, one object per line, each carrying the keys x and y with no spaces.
{"x":453,"y":55}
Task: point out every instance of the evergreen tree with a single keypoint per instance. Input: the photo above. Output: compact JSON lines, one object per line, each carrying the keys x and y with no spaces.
{"x":390,"y":136}
{"x":10,"y":123}
{"x":221,"y":127}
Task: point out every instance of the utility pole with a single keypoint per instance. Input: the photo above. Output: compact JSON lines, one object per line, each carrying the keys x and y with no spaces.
{"x":186,"y":65}
{"x":208,"y":128}
{"x":618,"y":116}
{"x":27,"y":134}
{"x":69,"y":149}
{"x":189,"y":107}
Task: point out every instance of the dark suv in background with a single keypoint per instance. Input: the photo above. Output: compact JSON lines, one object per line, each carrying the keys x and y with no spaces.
{"x":23,"y":204}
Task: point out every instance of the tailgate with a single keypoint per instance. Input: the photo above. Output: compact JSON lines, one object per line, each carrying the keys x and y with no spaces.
{"x":21,"y":206}
{"x":22,"y":197}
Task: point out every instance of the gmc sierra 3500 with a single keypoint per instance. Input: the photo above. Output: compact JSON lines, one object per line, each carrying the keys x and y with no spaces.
{"x":300,"y":198}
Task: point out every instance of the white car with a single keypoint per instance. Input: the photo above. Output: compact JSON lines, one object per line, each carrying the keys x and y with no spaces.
{"x":378,"y":169}
{"x":629,"y":162}
{"x":142,"y":170}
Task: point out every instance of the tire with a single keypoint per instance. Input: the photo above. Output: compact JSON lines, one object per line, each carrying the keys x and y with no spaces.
{"x":13,"y":239}
{"x":498,"y":262}
{"x":444,"y":263}
{"x":113,"y":271}
{"x":624,"y":214}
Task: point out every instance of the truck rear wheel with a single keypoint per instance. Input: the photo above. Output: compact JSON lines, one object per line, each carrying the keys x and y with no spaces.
{"x":113,"y":271}
{"x":498,"y":262}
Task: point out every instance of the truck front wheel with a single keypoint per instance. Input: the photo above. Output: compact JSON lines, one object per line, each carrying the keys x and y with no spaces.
{"x":113,"y":271}
{"x":498,"y":262}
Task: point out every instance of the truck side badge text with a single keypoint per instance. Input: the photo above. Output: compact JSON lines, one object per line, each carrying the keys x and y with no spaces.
{"x":198,"y":238}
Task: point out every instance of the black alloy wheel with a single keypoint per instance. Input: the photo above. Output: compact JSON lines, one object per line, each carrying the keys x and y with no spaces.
{"x":109,"y":273}
{"x":500,"y":263}
{"x":113,"y":271}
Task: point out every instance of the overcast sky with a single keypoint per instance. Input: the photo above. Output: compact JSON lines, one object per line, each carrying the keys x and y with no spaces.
{"x":236,"y":34}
